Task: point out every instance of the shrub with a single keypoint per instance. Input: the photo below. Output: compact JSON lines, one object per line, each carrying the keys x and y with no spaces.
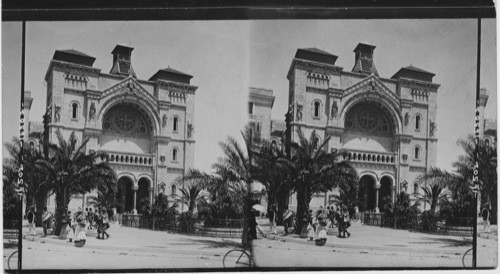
{"x":186,"y":222}
{"x":428,"y":221}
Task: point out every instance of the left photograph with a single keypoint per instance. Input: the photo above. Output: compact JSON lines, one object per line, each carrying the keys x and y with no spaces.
{"x":133,"y":155}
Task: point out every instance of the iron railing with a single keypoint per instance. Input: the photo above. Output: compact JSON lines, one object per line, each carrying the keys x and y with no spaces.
{"x":416,"y":222}
{"x":207,"y":227}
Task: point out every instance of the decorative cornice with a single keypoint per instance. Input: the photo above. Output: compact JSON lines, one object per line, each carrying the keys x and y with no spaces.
{"x":375,"y":85}
{"x":417,"y":168}
{"x":368,"y":165}
{"x":162,"y":139}
{"x":313,"y":65}
{"x":316,"y":89}
{"x":177,"y":87}
{"x":406,"y":103}
{"x":177,"y":106}
{"x":130,"y":85}
{"x":92,"y":131}
{"x":93,"y":94}
{"x":71,"y":90}
{"x":89,"y":71}
{"x":175,"y":169}
{"x":413,"y":82}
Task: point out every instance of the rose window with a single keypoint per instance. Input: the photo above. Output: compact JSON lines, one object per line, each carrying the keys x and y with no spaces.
{"x":125,"y":120}
{"x":367,"y":117}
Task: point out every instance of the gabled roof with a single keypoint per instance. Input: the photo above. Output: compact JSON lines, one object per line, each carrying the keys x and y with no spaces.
{"x":73,"y":56}
{"x":316,"y":50}
{"x":75,"y":52}
{"x":175,"y":71}
{"x":171,"y":74}
{"x":410,"y":67}
{"x":414,"y":73}
{"x":316,"y":55}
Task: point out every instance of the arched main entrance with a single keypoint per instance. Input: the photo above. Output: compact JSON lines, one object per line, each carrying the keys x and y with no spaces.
{"x":124,"y":195}
{"x":384,"y":194}
{"x":143,"y":195}
{"x":366,"y":193}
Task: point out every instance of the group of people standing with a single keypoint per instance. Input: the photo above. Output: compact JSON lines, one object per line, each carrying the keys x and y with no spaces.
{"x":318,"y":223}
{"x":79,"y":222}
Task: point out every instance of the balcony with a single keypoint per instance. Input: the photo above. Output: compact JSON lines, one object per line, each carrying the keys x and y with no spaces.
{"x":388,"y":158}
{"x":130,"y":159}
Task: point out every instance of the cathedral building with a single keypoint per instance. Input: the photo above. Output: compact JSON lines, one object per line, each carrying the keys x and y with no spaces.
{"x":146,"y":126}
{"x":387,"y":125}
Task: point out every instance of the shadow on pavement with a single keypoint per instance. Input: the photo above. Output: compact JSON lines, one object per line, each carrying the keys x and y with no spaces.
{"x":449,"y":242}
{"x":214,"y":243}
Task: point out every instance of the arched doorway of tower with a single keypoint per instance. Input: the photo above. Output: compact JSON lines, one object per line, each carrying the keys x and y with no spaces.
{"x":384,"y":193}
{"x":366,"y":193}
{"x":124,"y":195}
{"x":143,"y":195}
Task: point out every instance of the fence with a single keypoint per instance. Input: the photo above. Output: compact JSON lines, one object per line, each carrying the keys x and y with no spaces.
{"x":459,"y":226}
{"x":232,"y":228}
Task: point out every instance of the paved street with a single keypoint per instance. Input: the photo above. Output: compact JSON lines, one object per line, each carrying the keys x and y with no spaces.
{"x":127,"y":248}
{"x":370,"y":247}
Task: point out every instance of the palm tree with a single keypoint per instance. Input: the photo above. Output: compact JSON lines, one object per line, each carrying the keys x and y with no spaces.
{"x":70,"y":171}
{"x":347,"y":196}
{"x":459,"y":183}
{"x":226,"y":192}
{"x":436,"y":184}
{"x":106,"y":197}
{"x":487,"y":167}
{"x":314,"y":170}
{"x":35,"y":187}
{"x":192,"y":196}
{"x":272,"y":173}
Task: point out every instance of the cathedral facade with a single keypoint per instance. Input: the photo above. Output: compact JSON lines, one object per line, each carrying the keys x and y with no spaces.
{"x":146,"y":126}
{"x":387,"y":126}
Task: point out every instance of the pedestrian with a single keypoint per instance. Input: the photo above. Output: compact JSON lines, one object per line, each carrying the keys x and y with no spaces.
{"x":71,"y":227}
{"x":339,"y":220}
{"x":80,"y":232}
{"x":46,"y":216}
{"x":272,"y":220}
{"x":287,"y":216}
{"x":105,"y":223}
{"x":252,"y":224}
{"x":90,"y":218}
{"x":486,"y":213}
{"x":321,"y":223}
{"x":31,"y":221}
{"x":98,"y":220}
{"x":347,"y":222}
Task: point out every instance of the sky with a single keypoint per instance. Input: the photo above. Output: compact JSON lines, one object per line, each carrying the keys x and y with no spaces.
{"x":227,"y":57}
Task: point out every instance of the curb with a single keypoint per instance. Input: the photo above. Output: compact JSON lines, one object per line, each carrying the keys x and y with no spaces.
{"x":365,"y":247}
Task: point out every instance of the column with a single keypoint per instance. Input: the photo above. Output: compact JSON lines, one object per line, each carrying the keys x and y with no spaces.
{"x":377,"y":188}
{"x":135,"y":188}
{"x":393,"y":193}
{"x":151,"y":190}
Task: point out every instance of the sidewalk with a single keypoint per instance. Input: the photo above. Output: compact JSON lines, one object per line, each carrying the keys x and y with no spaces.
{"x":387,"y":239}
{"x":126,"y":238}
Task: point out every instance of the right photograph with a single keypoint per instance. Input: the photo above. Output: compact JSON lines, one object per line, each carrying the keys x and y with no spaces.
{"x":374,"y":144}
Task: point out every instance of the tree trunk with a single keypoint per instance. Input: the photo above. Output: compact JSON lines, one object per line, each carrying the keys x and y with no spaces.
{"x":61,"y":211}
{"x":39,"y":205}
{"x":282,"y":202}
{"x":303,"y":199}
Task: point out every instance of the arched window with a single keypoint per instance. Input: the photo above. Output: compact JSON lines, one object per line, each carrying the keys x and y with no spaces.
{"x":175,"y":124}
{"x":317,"y":105}
{"x":74,"y":110}
{"x":174,"y":155}
{"x":417,"y":122}
{"x":162,"y":188}
{"x":174,"y":190}
{"x":417,"y":153}
{"x":415,"y":188}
